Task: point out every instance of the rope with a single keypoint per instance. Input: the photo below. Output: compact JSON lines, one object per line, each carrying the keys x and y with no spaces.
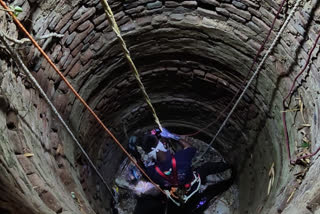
{"x":253,"y":76}
{"x":78,"y":96}
{"x":244,"y":81}
{"x":284,"y":107}
{"x":127,"y":54}
{"x":53,"y":108}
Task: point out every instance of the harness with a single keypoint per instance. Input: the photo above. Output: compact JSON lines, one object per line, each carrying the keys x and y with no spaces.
{"x":190,"y":188}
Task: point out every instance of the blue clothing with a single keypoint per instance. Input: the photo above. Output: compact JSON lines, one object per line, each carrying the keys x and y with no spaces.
{"x":184,"y":169}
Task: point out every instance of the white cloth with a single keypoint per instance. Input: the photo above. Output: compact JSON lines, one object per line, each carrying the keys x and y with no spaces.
{"x":159,"y":147}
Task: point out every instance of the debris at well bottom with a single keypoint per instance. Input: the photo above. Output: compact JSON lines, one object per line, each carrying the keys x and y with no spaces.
{"x":130,"y":185}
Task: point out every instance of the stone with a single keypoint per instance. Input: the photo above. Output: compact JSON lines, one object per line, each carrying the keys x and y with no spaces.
{"x":70,"y":38}
{"x":50,"y":200}
{"x":222,"y":11}
{"x":54,"y":22}
{"x":37,"y":183}
{"x":176,"y":17}
{"x":103,"y":25}
{"x":190,"y":4}
{"x":237,"y":18}
{"x":4,"y":103}
{"x":55,"y":53}
{"x":250,"y":3}
{"x":12,"y":120}
{"x":143,"y":21}
{"x":98,"y":20}
{"x":210,"y":2}
{"x":95,"y":38}
{"x":211,"y":77}
{"x":26,"y":164}
{"x":135,"y":10}
{"x":77,"y":50}
{"x":199,"y":73}
{"x":71,"y":64}
{"x":171,"y":4}
{"x":65,"y":55}
{"x":193,"y":20}
{"x":75,"y":70}
{"x":53,"y":136}
{"x":154,"y":5}
{"x":211,"y":14}
{"x":65,"y":177}
{"x":81,"y":36}
{"x":65,"y":28}
{"x":84,"y":26}
{"x":65,"y":20}
{"x":82,"y":19}
{"x":232,"y":9}
{"x":79,"y":12}
{"x":88,"y":54}
{"x":239,"y":4}
{"x":127,"y":27}
{"x":159,"y":19}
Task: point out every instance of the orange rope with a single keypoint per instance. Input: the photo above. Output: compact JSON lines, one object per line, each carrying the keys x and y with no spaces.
{"x":76,"y":94}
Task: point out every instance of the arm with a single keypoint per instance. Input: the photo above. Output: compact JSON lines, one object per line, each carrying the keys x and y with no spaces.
{"x":184,"y":143}
{"x":182,"y":140}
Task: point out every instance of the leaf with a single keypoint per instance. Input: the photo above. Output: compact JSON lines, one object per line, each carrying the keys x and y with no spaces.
{"x":28,"y":155}
{"x":306,"y":125}
{"x":18,"y":9}
{"x":305,"y":144}
{"x":291,"y":195}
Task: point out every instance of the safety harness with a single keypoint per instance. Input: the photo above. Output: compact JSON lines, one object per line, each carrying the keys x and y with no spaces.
{"x":190,"y":188}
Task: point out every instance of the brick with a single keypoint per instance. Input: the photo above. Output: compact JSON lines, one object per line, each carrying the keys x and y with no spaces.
{"x":154,"y":5}
{"x":65,"y":55}
{"x":83,"y":18}
{"x":198,"y":73}
{"x":84,"y":26}
{"x":211,"y":14}
{"x":65,"y":28}
{"x":26,"y":164}
{"x":54,"y":22}
{"x":70,"y":38}
{"x":37,"y":182}
{"x":75,"y":70}
{"x":88,"y":54}
{"x":232,"y":9}
{"x":172,"y":4}
{"x":77,"y":50}
{"x":189,"y":4}
{"x":239,"y":4}
{"x":64,"y":20}
{"x":71,"y":64}
{"x":211,"y":2}
{"x":81,"y":36}
{"x":50,"y":200}
{"x":56,"y":51}
{"x":98,"y":20}
{"x":143,"y":21}
{"x":79,"y":13}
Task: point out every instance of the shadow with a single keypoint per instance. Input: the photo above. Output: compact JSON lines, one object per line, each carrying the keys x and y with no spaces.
{"x":268,"y":113}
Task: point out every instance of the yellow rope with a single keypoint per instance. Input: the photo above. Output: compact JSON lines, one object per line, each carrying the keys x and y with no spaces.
{"x":126,"y":52}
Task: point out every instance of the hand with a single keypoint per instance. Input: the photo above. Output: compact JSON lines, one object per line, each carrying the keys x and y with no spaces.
{"x":166,"y":134}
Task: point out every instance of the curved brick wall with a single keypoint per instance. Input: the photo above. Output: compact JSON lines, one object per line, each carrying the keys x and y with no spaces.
{"x":193,"y":56}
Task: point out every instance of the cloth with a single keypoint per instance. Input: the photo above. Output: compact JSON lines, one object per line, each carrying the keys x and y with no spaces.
{"x":197,"y":203}
{"x":153,"y":153}
{"x":184,"y":169}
